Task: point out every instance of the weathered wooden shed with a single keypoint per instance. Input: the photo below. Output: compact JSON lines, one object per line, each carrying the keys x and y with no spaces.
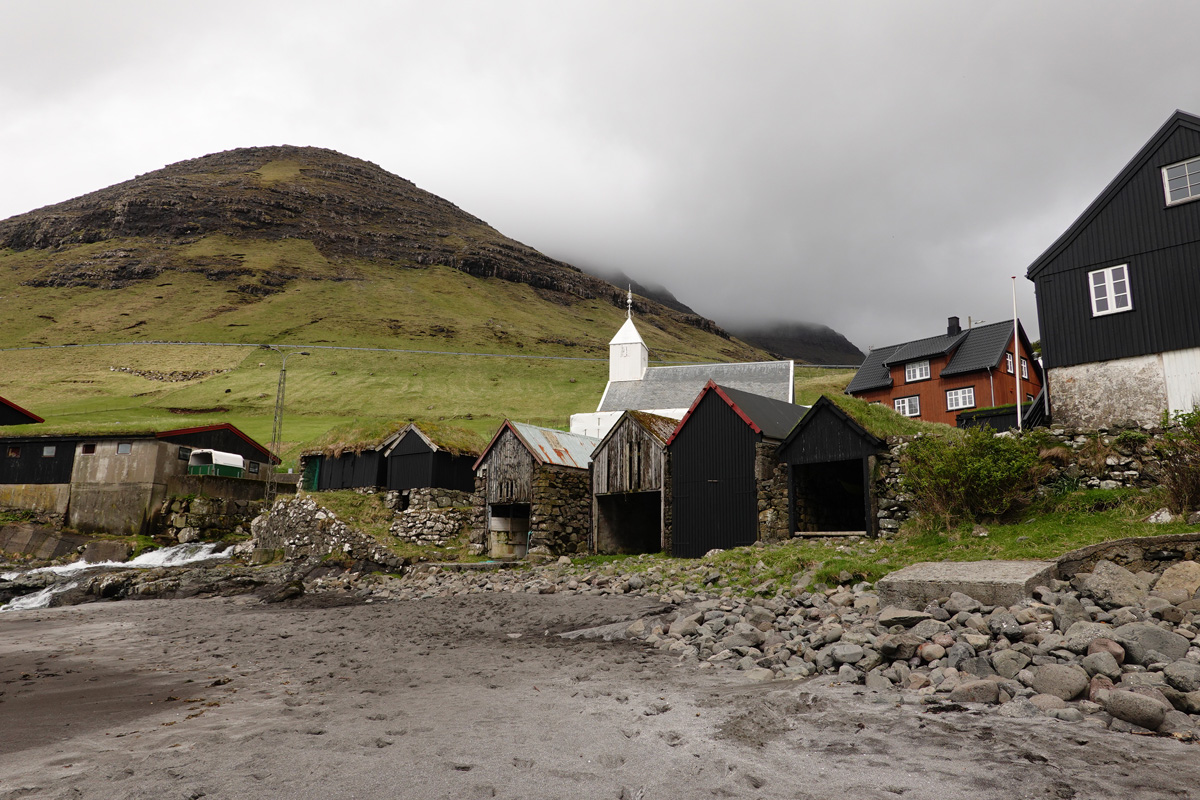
{"x":13,"y":414}
{"x":417,"y":458}
{"x":536,"y":491}
{"x":630,"y":485}
{"x":830,"y":460}
{"x":728,"y":487}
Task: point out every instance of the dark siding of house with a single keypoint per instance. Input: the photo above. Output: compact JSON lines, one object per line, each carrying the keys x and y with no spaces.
{"x":1162,"y":247}
{"x":453,"y":472}
{"x":31,"y":466}
{"x":223,"y":440}
{"x":351,"y":471}
{"x":826,"y":437}
{"x":715,"y":501}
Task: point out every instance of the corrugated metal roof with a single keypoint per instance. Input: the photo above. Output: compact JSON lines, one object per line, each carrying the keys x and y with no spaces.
{"x":677,"y":387}
{"x":983,"y":348}
{"x":556,"y":447}
{"x":874,"y":373}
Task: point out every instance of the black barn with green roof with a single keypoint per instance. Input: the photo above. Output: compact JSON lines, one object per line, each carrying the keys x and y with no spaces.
{"x":830,"y":461}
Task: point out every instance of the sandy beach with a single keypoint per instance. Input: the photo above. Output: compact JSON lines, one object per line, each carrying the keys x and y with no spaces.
{"x":476,"y":697}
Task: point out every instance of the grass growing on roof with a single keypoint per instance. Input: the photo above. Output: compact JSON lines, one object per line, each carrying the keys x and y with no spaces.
{"x":881,"y":421}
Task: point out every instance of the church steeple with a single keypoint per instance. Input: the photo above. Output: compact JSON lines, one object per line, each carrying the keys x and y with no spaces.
{"x":628,"y":356}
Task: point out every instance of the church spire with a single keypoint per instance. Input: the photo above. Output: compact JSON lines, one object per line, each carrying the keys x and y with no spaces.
{"x":629,"y":303}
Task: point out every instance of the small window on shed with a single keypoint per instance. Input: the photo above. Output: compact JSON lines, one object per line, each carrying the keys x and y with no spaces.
{"x":49,"y":450}
{"x":14,"y":451}
{"x":185,"y":453}
{"x":124,"y":448}
{"x":253,"y":468}
{"x":1182,"y":181}
{"x":87,"y":449}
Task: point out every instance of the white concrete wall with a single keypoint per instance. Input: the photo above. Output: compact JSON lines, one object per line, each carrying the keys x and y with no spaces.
{"x":599,"y":423}
{"x":1181,"y":368}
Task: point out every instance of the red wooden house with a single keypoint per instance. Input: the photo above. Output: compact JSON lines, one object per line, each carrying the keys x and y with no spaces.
{"x":937,"y":378}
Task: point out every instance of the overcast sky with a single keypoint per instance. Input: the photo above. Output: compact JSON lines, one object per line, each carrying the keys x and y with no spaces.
{"x":872,"y":166}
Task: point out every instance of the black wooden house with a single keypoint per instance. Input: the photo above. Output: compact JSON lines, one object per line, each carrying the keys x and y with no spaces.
{"x":415,"y":459}
{"x":631,"y":485}
{"x":830,"y":462}
{"x":1117,"y":292}
{"x":729,"y":488}
{"x":410,"y":458}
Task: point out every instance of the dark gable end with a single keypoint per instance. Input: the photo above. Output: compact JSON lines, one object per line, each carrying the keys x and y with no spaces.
{"x":827,"y":433}
{"x":1129,"y":223}
{"x":13,"y":414}
{"x":1127,"y":218}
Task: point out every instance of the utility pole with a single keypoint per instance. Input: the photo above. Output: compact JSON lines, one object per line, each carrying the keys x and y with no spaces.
{"x":277,"y":427}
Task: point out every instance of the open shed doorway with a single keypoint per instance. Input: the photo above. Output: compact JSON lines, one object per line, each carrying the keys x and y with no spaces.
{"x":508,"y":530}
{"x":830,"y":496}
{"x":629,"y":522}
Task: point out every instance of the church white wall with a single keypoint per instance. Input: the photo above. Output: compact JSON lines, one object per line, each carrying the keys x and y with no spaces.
{"x":599,"y":423}
{"x":628,"y":361}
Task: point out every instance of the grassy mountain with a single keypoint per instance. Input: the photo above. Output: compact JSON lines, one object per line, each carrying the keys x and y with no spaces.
{"x":307,"y":247}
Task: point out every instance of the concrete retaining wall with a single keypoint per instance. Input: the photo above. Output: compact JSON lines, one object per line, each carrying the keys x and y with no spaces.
{"x":42,"y":498}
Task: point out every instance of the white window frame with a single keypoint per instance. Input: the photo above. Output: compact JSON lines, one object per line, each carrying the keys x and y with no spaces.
{"x":1107,"y":281}
{"x":1191,"y":182}
{"x":916,"y":371}
{"x":908,"y":406}
{"x":1024,"y":369}
{"x":49,"y":450}
{"x":1008,"y":363}
{"x":124,"y":448}
{"x":958,"y":399}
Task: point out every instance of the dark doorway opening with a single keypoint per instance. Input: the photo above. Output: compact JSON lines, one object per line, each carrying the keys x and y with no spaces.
{"x":508,"y":530}
{"x":630,"y":522}
{"x":830,"y":496}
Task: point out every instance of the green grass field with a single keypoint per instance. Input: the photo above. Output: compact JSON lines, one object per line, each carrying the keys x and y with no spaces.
{"x":512,"y":327}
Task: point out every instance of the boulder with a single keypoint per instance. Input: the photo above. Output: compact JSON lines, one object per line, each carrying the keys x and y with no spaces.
{"x":1062,"y":680}
{"x":898,"y":646}
{"x":1069,"y":611}
{"x":1142,"y":639}
{"x":1136,"y":709}
{"x":1183,"y":675}
{"x":901,"y":616}
{"x":1082,"y":634}
{"x":1111,"y":585}
{"x":1101,"y":663}
{"x":978,"y":691}
{"x":961,"y":602}
{"x":1183,"y":577}
{"x":1105,"y":645}
{"x":927,"y":629}
{"x":1008,"y":663}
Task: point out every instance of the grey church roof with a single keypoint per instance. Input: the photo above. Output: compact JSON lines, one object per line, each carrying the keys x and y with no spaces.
{"x":677,"y":387}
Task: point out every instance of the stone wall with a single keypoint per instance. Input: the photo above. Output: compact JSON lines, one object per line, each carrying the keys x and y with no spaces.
{"x":1126,"y":391}
{"x":430,"y":516}
{"x":560,"y":516}
{"x":1142,"y":554}
{"x":479,"y":535}
{"x":193,"y":519}
{"x":893,"y":507}
{"x":771,"y":481}
{"x":298,"y":528}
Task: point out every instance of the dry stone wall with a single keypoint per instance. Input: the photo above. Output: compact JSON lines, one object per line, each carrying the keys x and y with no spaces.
{"x":194,"y":519}
{"x":771,"y":482}
{"x":561,"y":515}
{"x":430,"y":516}
{"x":300,"y":529}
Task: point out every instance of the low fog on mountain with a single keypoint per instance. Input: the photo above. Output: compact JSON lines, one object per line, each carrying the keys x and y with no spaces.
{"x":873,"y":167}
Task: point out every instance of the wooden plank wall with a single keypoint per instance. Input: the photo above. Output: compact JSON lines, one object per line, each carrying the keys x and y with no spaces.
{"x":630,"y":461}
{"x":510,"y":471}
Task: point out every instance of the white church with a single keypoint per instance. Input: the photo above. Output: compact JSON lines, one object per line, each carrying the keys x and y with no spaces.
{"x":633,"y":385}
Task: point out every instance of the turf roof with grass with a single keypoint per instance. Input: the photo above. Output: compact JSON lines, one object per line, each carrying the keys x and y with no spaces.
{"x":360,"y":435}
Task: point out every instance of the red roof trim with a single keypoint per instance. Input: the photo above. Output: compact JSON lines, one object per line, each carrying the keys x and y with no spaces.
{"x":34,"y":417}
{"x":720,"y":393}
{"x":222,"y":426}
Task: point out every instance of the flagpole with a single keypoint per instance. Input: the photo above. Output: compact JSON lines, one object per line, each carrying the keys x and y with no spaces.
{"x":1016,"y":352}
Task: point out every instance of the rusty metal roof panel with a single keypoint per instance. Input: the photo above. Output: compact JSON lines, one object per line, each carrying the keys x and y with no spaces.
{"x":557,"y":447}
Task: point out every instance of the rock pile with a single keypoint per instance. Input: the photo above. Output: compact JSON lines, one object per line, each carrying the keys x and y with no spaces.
{"x":1112,"y":647}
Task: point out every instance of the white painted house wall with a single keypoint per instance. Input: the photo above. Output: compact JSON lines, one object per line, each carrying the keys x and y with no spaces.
{"x":1181,"y":368}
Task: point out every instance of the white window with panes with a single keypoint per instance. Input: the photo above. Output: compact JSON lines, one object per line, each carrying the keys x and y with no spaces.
{"x":916,"y":371}
{"x":1008,"y":362}
{"x":960,"y":398}
{"x":1109,"y":288}
{"x":1024,"y":369}
{"x":1181,"y":182}
{"x":908,"y":406}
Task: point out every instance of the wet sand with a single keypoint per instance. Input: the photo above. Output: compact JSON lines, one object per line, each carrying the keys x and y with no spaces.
{"x":474,"y":697}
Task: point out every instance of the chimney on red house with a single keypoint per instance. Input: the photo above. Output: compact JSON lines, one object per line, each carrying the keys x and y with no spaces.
{"x":952,"y":327}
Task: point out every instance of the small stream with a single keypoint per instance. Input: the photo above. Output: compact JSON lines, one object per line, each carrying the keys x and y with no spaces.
{"x":65,"y":574}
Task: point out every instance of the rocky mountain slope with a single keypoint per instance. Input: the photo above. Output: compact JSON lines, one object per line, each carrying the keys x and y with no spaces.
{"x":816,"y":344}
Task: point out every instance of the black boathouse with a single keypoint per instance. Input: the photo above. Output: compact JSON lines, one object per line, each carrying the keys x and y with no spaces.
{"x":724,"y":466}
